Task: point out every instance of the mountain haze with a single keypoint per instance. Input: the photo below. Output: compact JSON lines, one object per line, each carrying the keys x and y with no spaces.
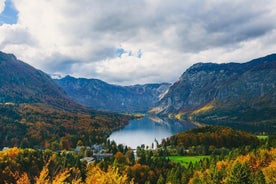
{"x":101,"y":95}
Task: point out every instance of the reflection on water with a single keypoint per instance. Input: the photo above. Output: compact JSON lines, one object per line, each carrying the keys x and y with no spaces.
{"x":147,"y":130}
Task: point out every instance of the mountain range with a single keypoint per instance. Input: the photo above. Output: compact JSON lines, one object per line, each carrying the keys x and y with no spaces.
{"x":231,"y":94}
{"x":98,"y":94}
{"x":22,"y":83}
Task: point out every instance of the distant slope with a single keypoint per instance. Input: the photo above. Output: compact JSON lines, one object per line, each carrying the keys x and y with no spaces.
{"x":21,"y":83}
{"x":216,"y":136}
{"x":35,"y":111}
{"x":40,"y":125}
{"x":101,"y":95}
{"x":225,"y":93}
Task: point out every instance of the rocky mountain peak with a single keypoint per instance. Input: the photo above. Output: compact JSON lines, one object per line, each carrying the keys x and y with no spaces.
{"x":7,"y":57}
{"x":229,"y":87}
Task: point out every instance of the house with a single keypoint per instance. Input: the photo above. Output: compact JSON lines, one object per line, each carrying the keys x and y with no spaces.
{"x":5,"y":148}
{"x":89,"y":160}
{"x":102,"y":156}
{"x":97,"y":148}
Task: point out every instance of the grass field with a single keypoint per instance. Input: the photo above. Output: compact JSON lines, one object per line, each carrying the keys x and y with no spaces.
{"x":262,"y":137}
{"x":185,"y":160}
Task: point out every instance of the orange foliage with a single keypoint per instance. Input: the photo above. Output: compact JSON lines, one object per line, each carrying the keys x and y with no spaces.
{"x":221,"y":164}
{"x":112,"y":176}
{"x":36,"y":124}
{"x":244,"y":158}
{"x":118,"y":155}
{"x":270,"y":172}
{"x":24,"y":179}
{"x":10,"y":153}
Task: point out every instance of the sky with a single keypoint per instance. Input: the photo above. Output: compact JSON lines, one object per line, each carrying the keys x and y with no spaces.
{"x":135,"y":41}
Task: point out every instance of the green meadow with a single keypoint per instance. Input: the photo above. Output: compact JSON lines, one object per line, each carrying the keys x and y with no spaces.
{"x":262,"y":137}
{"x":185,"y":160}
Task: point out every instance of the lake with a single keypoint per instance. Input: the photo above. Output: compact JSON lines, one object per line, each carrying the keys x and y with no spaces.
{"x":148,"y":129}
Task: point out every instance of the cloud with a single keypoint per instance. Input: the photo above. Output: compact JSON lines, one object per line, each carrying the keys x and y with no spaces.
{"x":15,"y":35}
{"x":137,"y":41}
{"x":2,"y":6}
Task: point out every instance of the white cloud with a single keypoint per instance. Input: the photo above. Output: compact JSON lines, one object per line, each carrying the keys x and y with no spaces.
{"x":82,"y":38}
{"x":2,"y":6}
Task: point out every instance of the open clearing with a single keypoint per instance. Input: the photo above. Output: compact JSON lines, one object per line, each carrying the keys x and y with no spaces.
{"x":262,"y":137}
{"x":185,"y":160}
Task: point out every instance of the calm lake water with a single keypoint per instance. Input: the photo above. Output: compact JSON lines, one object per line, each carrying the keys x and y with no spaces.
{"x":148,"y":129}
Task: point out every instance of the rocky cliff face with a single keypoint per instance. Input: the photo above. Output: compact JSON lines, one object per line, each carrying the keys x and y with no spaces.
{"x":101,"y":95}
{"x":215,"y":89}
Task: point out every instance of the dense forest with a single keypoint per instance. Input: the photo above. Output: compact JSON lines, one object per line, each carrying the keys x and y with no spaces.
{"x":42,"y":126}
{"x":253,"y":161}
{"x":208,"y":139}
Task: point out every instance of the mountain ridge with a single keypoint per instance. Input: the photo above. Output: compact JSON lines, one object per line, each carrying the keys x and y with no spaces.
{"x":36,"y":112}
{"x":101,"y":95}
{"x":22,"y":83}
{"x":207,"y":92}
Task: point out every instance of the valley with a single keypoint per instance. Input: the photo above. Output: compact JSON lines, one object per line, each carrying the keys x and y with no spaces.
{"x":100,"y":95}
{"x":52,"y":125}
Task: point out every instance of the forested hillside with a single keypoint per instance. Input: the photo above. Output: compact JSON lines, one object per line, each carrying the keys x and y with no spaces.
{"x":40,"y":125}
{"x":212,"y":136}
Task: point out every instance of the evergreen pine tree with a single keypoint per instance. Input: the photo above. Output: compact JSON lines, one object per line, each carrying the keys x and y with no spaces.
{"x":259,"y":178}
{"x":161,"y":180}
{"x":240,"y":174}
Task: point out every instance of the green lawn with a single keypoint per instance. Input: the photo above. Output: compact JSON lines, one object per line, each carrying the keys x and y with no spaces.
{"x":262,"y":137}
{"x":185,"y":160}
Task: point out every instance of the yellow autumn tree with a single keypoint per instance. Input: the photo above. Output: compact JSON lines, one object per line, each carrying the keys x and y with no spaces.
{"x":43,"y":177}
{"x":270,"y":173}
{"x":112,"y":176}
{"x":24,"y":179}
{"x":59,"y":178}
